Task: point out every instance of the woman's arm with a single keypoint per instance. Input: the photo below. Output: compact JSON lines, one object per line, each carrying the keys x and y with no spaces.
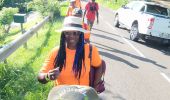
{"x":48,"y":68}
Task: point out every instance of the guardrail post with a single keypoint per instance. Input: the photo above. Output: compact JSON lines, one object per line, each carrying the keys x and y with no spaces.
{"x":5,"y":61}
{"x":22,"y":30}
{"x":37,"y":34}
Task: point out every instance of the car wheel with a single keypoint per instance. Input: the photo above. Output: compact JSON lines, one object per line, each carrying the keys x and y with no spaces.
{"x":134,"y":32}
{"x":116,"y":21}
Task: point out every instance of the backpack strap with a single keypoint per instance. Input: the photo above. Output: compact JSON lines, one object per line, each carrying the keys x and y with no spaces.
{"x":92,"y":69}
{"x":90,"y":52}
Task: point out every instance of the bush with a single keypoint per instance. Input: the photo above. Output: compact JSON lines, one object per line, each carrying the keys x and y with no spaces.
{"x":6,"y":17}
{"x":55,"y":8}
{"x":30,"y":6}
{"x":18,"y":83}
{"x":114,"y":4}
{"x":46,"y":7}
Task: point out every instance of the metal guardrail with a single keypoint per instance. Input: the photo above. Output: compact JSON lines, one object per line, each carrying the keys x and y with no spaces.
{"x":8,"y":49}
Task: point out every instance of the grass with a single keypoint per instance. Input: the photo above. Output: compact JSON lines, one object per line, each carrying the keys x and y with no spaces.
{"x":112,"y":3}
{"x":19,"y":76}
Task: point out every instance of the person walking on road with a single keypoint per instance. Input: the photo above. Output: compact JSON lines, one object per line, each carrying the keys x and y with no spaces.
{"x":71,"y":7}
{"x":78,"y":13}
{"x":91,"y":9}
{"x":70,"y":63}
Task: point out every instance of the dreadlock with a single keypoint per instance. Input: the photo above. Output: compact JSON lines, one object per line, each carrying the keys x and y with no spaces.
{"x":61,"y":56}
{"x":79,"y":57}
{"x":60,"y":59}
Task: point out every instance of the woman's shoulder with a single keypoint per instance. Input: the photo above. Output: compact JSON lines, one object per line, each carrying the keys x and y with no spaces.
{"x":87,"y":45}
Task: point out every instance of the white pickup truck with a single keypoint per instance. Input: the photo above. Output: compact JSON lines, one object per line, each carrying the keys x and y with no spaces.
{"x":145,"y":20}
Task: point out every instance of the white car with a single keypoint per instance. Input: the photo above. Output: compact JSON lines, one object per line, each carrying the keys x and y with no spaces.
{"x":145,"y":20}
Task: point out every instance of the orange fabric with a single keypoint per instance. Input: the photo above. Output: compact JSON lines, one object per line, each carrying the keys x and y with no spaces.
{"x":69,"y":11}
{"x":86,"y":35}
{"x":67,"y":76}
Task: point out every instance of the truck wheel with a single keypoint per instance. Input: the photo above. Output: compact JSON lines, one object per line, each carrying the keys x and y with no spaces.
{"x":134,"y":32}
{"x":116,"y":21}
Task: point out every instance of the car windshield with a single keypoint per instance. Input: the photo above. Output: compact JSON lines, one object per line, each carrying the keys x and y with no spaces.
{"x":157,"y":10}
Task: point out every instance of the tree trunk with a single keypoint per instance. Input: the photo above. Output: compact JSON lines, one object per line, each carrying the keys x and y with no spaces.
{"x":7,"y":31}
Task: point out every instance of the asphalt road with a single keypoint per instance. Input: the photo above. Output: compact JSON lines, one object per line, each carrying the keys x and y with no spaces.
{"x":135,"y":70}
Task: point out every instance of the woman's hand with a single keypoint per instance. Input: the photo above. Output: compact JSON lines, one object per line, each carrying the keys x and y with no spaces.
{"x":53,"y":74}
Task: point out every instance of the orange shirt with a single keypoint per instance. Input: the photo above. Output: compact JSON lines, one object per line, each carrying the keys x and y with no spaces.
{"x":69,"y":11}
{"x":67,"y":76}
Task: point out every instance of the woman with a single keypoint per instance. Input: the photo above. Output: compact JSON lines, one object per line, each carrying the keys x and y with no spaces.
{"x":71,"y":7}
{"x":70,"y":64}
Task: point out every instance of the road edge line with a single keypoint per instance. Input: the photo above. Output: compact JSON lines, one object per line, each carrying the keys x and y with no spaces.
{"x":166,"y":77}
{"x":140,"y":53}
{"x":133,"y":47}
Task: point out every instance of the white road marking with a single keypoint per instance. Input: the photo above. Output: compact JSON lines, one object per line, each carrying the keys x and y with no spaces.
{"x":134,"y":47}
{"x":125,"y":40}
{"x":166,"y":77}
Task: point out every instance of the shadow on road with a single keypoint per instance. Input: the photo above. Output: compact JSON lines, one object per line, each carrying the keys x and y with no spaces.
{"x":124,"y":53}
{"x":105,"y":32}
{"x":118,"y":97}
{"x":106,"y":37}
{"x":110,"y":95}
{"x":111,"y":56}
{"x":155,"y":45}
{"x":163,"y":48}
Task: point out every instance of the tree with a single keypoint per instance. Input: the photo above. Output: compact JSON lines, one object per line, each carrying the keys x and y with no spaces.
{"x":47,"y":6}
{"x":6,"y":18}
{"x":1,"y":3}
{"x":21,"y":4}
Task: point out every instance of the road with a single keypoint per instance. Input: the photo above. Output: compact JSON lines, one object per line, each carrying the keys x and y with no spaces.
{"x":135,"y":70}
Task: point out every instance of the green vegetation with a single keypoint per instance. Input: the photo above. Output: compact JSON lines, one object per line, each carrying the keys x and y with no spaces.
{"x":21,"y":4}
{"x":114,"y":4}
{"x":16,"y":31}
{"x":63,"y":8}
{"x":19,"y":76}
{"x":6,"y":18}
{"x":45,"y":8}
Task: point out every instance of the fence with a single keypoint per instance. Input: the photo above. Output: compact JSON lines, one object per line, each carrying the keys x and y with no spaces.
{"x":8,"y":49}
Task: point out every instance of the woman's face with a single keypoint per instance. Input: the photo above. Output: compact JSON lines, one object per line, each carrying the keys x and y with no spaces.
{"x":72,"y":38}
{"x":72,"y":4}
